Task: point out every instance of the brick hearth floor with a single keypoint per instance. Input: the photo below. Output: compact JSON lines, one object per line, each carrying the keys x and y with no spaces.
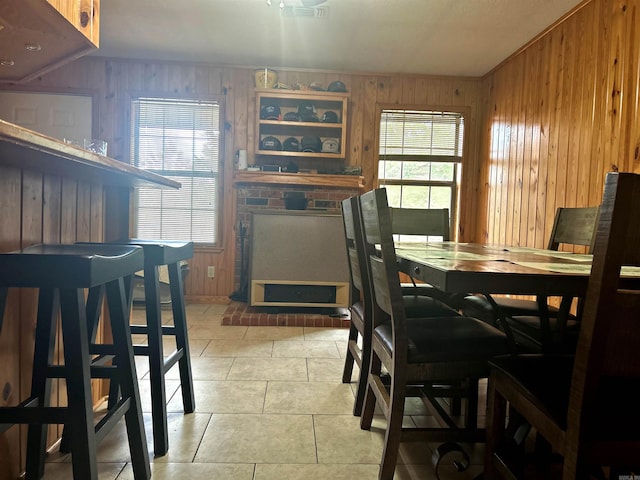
{"x":240,"y":313}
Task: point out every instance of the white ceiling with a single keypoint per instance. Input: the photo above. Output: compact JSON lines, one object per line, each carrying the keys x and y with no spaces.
{"x":436,"y":37}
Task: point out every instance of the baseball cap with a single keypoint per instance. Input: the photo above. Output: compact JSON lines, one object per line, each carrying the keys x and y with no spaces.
{"x":270,"y":112}
{"x":291,"y":144}
{"x":307,"y":112}
{"x":311,"y":144}
{"x":291,"y":117}
{"x":337,"y":86}
{"x":331,"y":145}
{"x":330,"y":117}
{"x":270,"y":143}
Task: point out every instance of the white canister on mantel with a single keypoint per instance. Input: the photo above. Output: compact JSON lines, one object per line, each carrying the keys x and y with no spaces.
{"x":242,"y":160}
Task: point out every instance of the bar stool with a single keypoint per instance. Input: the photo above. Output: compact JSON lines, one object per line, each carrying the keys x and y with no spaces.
{"x":158,"y":253}
{"x":62,"y":273}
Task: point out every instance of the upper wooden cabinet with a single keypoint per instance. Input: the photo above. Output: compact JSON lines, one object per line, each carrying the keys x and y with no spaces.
{"x":39,"y":35}
{"x":312,"y":115}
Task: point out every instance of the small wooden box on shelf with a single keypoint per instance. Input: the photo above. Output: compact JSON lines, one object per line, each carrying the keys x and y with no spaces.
{"x":283,"y":102}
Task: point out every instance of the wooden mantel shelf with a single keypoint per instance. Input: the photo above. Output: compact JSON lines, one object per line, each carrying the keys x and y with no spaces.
{"x":26,"y":149}
{"x":277,"y":178}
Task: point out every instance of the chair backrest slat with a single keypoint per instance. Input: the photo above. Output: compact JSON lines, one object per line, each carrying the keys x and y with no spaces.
{"x":421,"y":221}
{"x":574,"y":226}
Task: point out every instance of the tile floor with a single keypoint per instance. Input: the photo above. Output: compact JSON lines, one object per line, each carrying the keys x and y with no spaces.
{"x":270,"y":405}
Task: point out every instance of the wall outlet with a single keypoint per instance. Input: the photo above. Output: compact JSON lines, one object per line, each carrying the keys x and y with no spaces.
{"x":211,"y":271}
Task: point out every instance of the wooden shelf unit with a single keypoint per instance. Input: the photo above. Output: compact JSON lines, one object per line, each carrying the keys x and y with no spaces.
{"x":288,"y":101}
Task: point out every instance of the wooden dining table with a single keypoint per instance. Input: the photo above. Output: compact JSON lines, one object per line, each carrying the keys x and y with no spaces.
{"x":494,"y":269}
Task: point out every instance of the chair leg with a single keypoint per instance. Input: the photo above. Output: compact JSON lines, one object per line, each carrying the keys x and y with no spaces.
{"x":394,"y":427}
{"x":77,"y":363}
{"x":369,"y":404}
{"x":156,"y":361}
{"x":349,"y":358}
{"x":182,"y":340}
{"x":496,"y":416}
{"x":119,"y":315}
{"x":48,"y":307}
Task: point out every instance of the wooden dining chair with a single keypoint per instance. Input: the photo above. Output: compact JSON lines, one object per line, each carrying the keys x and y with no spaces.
{"x":446,"y":355}
{"x":416,"y":303}
{"x":536,"y":325}
{"x":585,"y":406}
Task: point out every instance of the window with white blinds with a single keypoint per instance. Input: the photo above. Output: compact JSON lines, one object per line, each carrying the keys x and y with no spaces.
{"x":419,"y":155}
{"x":181,"y":140}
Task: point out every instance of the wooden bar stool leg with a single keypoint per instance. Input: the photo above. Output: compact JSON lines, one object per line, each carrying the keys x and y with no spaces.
{"x":119,"y":315}
{"x":182,"y":340}
{"x":156,"y":361}
{"x":48,"y":306}
{"x":77,"y":364}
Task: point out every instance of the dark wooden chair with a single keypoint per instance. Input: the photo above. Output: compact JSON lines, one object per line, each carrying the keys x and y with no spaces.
{"x":359,"y":344}
{"x":536,"y":325}
{"x":585,"y":407}
{"x":444,"y":355}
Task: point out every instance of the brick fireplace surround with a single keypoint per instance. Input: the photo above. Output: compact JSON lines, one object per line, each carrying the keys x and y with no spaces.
{"x":258,"y":191}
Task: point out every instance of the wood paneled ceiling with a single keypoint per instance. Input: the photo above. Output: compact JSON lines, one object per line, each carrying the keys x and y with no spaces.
{"x":436,"y":37}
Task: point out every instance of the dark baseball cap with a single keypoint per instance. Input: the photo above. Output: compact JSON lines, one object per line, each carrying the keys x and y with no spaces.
{"x":270,"y":143}
{"x":311,"y":144}
{"x":291,"y":144}
{"x":307,"y":111}
{"x":337,"y":86}
{"x":270,"y":112}
{"x":291,"y":117}
{"x":330,"y":117}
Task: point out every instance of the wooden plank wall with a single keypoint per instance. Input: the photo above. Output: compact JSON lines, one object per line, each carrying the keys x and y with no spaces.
{"x":557,"y":117}
{"x":35,"y":208}
{"x":114,"y":82}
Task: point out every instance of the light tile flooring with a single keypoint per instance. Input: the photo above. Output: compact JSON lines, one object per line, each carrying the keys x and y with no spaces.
{"x":270,"y":405}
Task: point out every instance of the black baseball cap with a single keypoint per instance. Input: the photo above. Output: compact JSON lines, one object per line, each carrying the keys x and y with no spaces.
{"x":270,"y":112}
{"x":311,"y":144}
{"x":307,"y":111}
{"x":291,"y":117}
{"x":270,"y":143}
{"x":291,"y":144}
{"x":337,"y":86}
{"x":330,"y":117}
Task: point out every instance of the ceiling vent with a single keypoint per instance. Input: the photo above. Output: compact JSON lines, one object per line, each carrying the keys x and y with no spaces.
{"x":304,"y":12}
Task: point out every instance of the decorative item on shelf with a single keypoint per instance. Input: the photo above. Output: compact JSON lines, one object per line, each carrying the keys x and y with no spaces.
{"x":265,"y":78}
{"x":311,"y":144}
{"x":330,"y":117}
{"x":242,"y":159}
{"x":270,"y":143}
{"x":282,"y":86}
{"x":292,"y":167}
{"x":317,"y":86}
{"x":253,"y":168}
{"x":271,"y":168}
{"x":337,"y":86}
{"x":331,"y":145}
{"x":352,"y":170}
{"x":95,"y":145}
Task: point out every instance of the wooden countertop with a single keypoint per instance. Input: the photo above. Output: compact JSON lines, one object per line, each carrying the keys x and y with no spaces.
{"x":278,"y":178}
{"x":23,"y":148}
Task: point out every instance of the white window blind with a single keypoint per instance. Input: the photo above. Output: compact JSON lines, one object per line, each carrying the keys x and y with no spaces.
{"x":181,"y":140}
{"x":419,"y":157}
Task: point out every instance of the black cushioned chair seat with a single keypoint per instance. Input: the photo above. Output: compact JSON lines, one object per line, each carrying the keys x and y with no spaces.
{"x":69,"y":266}
{"x":419,"y":306}
{"x":544,"y":379}
{"x":443,"y":339}
{"x":478,"y":306}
